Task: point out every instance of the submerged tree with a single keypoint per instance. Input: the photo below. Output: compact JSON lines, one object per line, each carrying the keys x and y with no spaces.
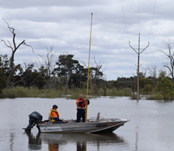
{"x":152,"y":70}
{"x":165,"y":87}
{"x":46,"y":62}
{"x":170,"y":56}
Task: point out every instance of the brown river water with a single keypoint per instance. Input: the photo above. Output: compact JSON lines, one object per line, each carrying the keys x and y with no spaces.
{"x":151,"y":125}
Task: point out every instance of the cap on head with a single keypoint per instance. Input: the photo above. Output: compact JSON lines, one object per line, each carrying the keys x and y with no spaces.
{"x":55,"y":106}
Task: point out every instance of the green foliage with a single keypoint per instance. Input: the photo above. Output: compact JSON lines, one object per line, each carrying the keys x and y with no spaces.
{"x":165,"y":88}
{"x":148,"y":88}
{"x":39,"y":81}
{"x":134,"y":97}
{"x":95,"y":89}
{"x":162,"y":75}
{"x":17,"y":92}
{"x":144,"y":81}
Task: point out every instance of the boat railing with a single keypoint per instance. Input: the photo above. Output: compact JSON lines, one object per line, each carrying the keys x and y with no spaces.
{"x":94,"y":119}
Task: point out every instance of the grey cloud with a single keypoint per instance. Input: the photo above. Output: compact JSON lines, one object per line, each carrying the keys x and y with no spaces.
{"x":66,"y":24}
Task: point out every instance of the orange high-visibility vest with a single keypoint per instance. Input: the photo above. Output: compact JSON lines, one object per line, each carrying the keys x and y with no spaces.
{"x":52,"y":114}
{"x":82,"y":106}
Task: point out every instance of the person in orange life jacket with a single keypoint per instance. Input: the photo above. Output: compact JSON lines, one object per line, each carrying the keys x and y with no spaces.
{"x":81,"y":107}
{"x":54,"y":115}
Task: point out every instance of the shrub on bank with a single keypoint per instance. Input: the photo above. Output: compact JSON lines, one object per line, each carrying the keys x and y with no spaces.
{"x":70,"y":93}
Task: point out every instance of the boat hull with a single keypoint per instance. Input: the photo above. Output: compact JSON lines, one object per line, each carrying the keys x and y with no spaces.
{"x":100,"y":126}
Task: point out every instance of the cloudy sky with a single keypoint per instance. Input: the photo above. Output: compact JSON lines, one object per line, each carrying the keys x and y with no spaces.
{"x":66,"y":25}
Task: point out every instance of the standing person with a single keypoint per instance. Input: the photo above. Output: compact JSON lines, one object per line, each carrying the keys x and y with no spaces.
{"x":54,"y":115}
{"x":81,"y":104}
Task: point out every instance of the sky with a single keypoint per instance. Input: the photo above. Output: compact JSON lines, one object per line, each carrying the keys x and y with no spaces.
{"x":66,"y":26}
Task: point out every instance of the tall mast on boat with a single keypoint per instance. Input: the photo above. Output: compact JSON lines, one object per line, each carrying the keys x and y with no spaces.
{"x":88,"y":66}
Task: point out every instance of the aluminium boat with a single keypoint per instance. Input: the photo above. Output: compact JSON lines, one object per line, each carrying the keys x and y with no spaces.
{"x":93,"y":125}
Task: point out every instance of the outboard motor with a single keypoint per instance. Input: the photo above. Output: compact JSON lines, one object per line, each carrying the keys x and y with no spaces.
{"x":34,"y":118}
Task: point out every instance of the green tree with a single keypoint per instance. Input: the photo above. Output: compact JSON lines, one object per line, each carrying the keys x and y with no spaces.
{"x":66,"y":68}
{"x":144,"y":81}
{"x":148,"y":88}
{"x":28,"y":78}
{"x":165,"y":87}
{"x":4,"y":64}
{"x":39,"y":81}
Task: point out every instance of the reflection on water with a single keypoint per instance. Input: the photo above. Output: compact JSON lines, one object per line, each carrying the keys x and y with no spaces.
{"x":54,"y":141}
{"x":151,"y":125}
{"x":11,"y":140}
{"x":136,"y":143}
{"x":81,"y":146}
{"x":34,"y":142}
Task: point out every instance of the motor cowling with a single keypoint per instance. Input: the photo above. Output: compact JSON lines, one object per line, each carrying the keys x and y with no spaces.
{"x":34,"y":119}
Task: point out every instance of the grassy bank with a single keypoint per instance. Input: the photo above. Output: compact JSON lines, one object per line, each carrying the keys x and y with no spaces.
{"x":18,"y":92}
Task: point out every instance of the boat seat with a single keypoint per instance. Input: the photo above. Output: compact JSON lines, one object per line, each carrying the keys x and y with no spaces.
{"x":57,"y":122}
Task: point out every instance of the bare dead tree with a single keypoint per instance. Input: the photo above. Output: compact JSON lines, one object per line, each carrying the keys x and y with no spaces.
{"x":152,"y":71}
{"x":94,"y":72}
{"x":47,"y":60}
{"x":144,"y":73}
{"x":13,"y":48}
{"x":104,"y":84}
{"x":170,"y":56}
{"x":97,"y":74}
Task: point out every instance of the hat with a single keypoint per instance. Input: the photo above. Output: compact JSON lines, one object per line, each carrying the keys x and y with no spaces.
{"x":55,"y":106}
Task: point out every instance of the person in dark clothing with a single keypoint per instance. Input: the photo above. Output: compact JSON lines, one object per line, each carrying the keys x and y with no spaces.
{"x":81,"y":107}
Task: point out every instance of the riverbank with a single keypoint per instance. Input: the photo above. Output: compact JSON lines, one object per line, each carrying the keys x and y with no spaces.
{"x":20,"y":92}
{"x":23,"y":92}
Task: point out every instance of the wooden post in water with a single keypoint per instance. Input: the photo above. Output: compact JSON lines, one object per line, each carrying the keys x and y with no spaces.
{"x":88,"y":68}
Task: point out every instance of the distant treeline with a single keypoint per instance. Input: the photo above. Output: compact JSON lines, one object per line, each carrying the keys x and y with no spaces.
{"x":66,"y":73}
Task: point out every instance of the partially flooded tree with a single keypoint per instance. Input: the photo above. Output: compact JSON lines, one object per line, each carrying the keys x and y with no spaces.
{"x":170,"y":56}
{"x":152,"y":70}
{"x":14,"y":47}
{"x":103,"y":84}
{"x":165,"y":87}
{"x":46,"y":61}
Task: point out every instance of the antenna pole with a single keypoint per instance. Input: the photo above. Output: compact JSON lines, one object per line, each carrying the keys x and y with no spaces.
{"x":138,"y":66}
{"x":88,"y":67}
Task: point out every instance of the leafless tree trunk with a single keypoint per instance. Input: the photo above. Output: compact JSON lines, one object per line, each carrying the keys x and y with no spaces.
{"x":14,"y":48}
{"x":144,"y":73}
{"x":170,"y":56}
{"x":98,"y":67}
{"x":67,"y":78}
{"x":94,"y":71}
{"x":152,"y":70}
{"x":104,"y":85}
{"x":47,"y":60}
